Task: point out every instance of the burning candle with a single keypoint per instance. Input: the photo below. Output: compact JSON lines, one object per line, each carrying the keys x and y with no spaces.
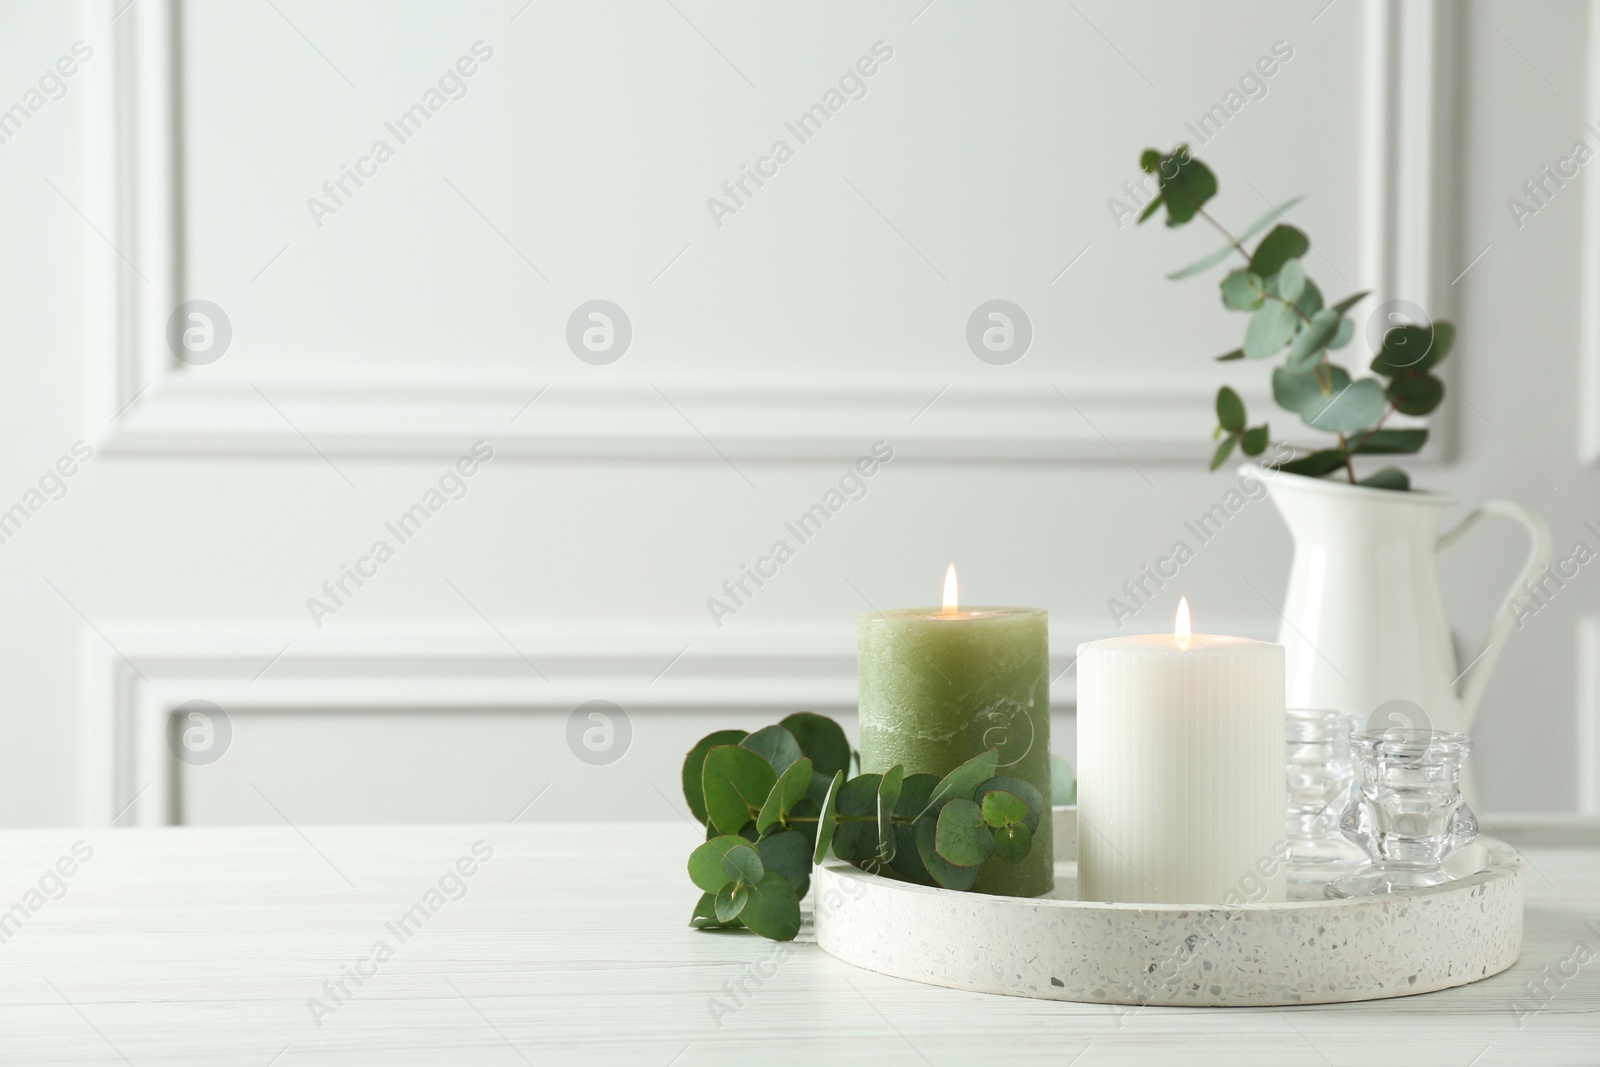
{"x":1181,"y":788}
{"x":940,"y":685}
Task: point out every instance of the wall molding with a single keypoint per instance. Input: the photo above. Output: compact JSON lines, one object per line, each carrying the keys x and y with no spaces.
{"x":1589,"y":275}
{"x":132,"y":687}
{"x":1588,"y":724}
{"x":147,"y":403}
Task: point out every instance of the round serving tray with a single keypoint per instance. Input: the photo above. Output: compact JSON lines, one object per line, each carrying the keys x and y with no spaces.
{"x":1060,"y":948}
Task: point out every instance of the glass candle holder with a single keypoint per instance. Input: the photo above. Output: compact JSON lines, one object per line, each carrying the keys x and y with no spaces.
{"x":1321,"y":769}
{"x":1406,"y":810}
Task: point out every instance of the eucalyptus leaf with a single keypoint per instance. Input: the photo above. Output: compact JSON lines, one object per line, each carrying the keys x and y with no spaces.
{"x":1304,"y":393}
{"x":821,"y":740}
{"x":1409,"y":349}
{"x":1316,"y":464}
{"x":961,"y":836}
{"x":789,"y":853}
{"x":915,"y":792}
{"x":1237,"y":353}
{"x":1032,"y":799}
{"x":1387,"y":478}
{"x":960,"y":783}
{"x":855,"y":839}
{"x":1230,"y":410}
{"x":1291,"y":280}
{"x":1351,"y":301}
{"x":1211,"y":260}
{"x":1220,"y":456}
{"x":1284,"y":243}
{"x":705,"y":915}
{"x":705,"y":862}
{"x":743,"y":863}
{"x":773,"y":909}
{"x":776,"y":745}
{"x":1390,"y":442}
{"x":1243,"y":291}
{"x":1269,"y":330}
{"x":1253,"y":441}
{"x":730,"y":901}
{"x":786,"y":792}
{"x":1355,"y":407}
{"x":828,"y":819}
{"x":888,"y":796}
{"x":736,"y":782}
{"x":694,"y":763}
{"x":1305,"y":351}
{"x":1001,"y":806}
{"x":1063,"y":782}
{"x":1310,"y":301}
{"x":1415,"y":394}
{"x":1342,"y":336}
{"x":907,"y":859}
{"x":1013,"y":841}
{"x":941,"y":870}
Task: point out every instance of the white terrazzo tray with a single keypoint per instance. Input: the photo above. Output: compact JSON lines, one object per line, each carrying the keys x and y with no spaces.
{"x":1060,"y":948}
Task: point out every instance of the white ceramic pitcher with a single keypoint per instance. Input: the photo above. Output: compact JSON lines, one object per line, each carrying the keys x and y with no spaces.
{"x":1364,"y":620}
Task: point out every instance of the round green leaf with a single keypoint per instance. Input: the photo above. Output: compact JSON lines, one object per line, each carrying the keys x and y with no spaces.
{"x":828,"y":820}
{"x":694,"y":763}
{"x":731,"y":899}
{"x":786,"y":792}
{"x":1230,"y":410}
{"x":736,"y":782}
{"x":1254,"y":440}
{"x":1242,"y":291}
{"x":1341,"y":336}
{"x":1306,"y":349}
{"x":1390,"y":442}
{"x":960,"y":783}
{"x":1301,"y":391}
{"x":1027,"y":792}
{"x":1355,"y":407}
{"x":1063,"y":782}
{"x":961,"y":836}
{"x":1270,"y":328}
{"x":1277,"y":248}
{"x":789,"y":853}
{"x":776,"y":745}
{"x":907,"y":858}
{"x":773,"y":910}
{"x":1001,"y":807}
{"x":1220,"y":456}
{"x":855,"y":840}
{"x":915,"y":793}
{"x":1291,"y":280}
{"x":940,"y":869}
{"x":821,"y":740}
{"x":705,"y":862}
{"x":888,"y":796}
{"x":1310,"y":301}
{"x":705,"y":914}
{"x":1416,"y":394}
{"x":743,"y":863}
{"x":1388,"y":478}
{"x":1012,"y":842}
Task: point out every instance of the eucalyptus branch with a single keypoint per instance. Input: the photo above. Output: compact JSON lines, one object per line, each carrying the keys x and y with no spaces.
{"x":1273,"y":278}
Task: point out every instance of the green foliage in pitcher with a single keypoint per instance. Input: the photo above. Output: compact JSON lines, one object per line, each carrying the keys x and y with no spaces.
{"x":775,"y":802}
{"x":1289,"y":322}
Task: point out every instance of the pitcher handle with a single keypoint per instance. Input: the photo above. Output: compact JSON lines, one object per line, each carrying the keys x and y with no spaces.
{"x":1475,"y":678}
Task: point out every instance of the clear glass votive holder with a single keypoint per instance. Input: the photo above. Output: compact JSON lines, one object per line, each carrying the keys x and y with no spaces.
{"x":1320,"y":769}
{"x":1405,"y":810}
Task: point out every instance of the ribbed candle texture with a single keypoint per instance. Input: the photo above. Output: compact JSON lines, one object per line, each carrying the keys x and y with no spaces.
{"x":1181,"y":782}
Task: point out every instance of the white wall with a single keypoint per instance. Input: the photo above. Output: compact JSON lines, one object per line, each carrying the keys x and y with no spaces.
{"x":768,"y":352}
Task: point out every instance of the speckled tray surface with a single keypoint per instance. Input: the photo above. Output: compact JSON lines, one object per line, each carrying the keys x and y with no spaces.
{"x":1061,"y":948}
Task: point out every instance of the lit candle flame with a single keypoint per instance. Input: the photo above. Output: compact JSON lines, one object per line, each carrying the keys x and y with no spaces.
{"x":1182,"y":632}
{"x":950,"y":590}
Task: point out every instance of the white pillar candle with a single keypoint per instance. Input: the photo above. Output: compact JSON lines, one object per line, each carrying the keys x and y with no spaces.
{"x":1181,"y":782}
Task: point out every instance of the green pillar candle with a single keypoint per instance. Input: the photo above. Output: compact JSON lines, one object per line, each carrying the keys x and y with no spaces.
{"x":940,"y":686}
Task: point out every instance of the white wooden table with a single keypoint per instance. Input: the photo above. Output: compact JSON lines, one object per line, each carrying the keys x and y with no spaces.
{"x":570,"y":944}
